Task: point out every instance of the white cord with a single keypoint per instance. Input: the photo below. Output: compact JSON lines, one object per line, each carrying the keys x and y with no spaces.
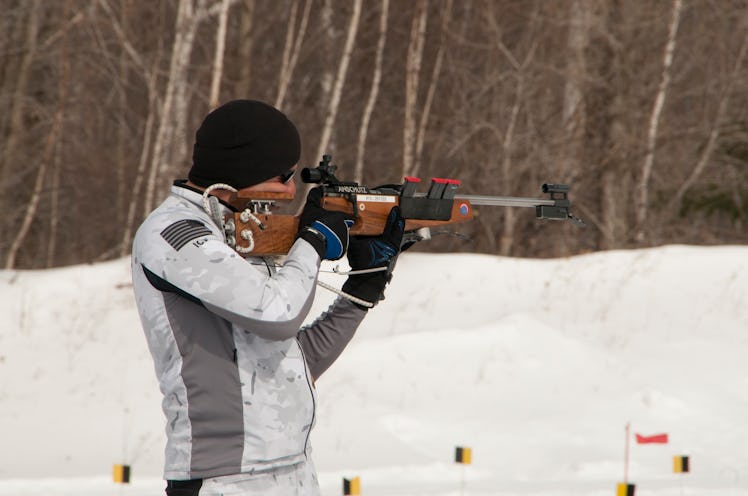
{"x":337,"y":270}
{"x":246,"y":234}
{"x":210,"y":188}
{"x":345,"y":295}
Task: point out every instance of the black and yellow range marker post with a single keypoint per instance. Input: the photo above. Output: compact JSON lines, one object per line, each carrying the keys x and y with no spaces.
{"x":463,"y":456}
{"x":681,"y":464}
{"x":121,"y":474}
{"x":352,"y":487}
{"x":625,"y":489}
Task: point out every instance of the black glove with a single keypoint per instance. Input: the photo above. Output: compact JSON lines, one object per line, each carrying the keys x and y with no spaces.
{"x":366,"y":252}
{"x":325,"y":230}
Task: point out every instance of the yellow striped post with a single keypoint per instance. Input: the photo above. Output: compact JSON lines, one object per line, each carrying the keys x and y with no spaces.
{"x":463,"y":455}
{"x":121,"y":474}
{"x":625,"y":489}
{"x":352,"y":487}
{"x":680,"y":464}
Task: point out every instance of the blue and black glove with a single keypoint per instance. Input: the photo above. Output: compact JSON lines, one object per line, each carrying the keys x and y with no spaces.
{"x":367,"y":252}
{"x":325,"y":230}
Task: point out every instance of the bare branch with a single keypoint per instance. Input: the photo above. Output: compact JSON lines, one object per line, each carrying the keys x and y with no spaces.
{"x":21,"y":86}
{"x":706,"y":154}
{"x":126,"y":45}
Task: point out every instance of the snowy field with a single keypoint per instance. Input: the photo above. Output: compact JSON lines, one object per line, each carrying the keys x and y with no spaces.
{"x":537,"y":365}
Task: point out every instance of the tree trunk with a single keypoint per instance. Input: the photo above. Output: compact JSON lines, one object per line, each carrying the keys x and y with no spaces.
{"x":36,"y":194}
{"x":246,"y":37}
{"x":337,"y":90}
{"x":18,"y":104}
{"x":642,"y":193}
{"x":10,"y":67}
{"x":373,"y":93}
{"x":62,"y":91}
{"x":291,"y":50}
{"x":507,"y":235}
{"x":121,"y":147}
{"x":412,"y":76}
{"x":173,"y":108}
{"x":129,"y":225}
{"x":436,"y":73}
{"x":215,"y":85}
{"x":573,"y":112}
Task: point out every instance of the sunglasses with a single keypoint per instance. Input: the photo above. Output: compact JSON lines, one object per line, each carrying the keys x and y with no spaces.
{"x":285,"y":178}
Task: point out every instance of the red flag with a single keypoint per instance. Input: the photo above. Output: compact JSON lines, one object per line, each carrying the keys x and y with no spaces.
{"x":656,"y":438}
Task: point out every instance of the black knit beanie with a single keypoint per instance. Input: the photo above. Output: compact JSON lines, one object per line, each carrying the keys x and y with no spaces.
{"x":242,"y":143}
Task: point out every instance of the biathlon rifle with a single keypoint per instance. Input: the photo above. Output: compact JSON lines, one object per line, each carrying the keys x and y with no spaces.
{"x":254,"y":230}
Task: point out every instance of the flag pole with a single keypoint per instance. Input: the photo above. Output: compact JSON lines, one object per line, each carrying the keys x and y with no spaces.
{"x":626,"y":454}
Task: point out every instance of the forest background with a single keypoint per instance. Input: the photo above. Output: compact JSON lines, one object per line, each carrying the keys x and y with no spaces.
{"x":640,"y":106}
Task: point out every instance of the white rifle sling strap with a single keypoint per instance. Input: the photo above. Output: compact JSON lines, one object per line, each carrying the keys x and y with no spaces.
{"x":345,"y":295}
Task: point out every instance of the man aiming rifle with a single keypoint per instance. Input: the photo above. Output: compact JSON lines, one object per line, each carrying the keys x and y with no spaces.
{"x":235,"y":367}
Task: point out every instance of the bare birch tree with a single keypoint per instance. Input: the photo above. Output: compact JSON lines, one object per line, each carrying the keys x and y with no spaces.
{"x":573,"y":112}
{"x":412,"y":77}
{"x":215,"y":85}
{"x":642,"y":196}
{"x":62,"y":91}
{"x":173,"y":105}
{"x":292,"y":49}
{"x":337,"y":90}
{"x":129,"y":225}
{"x":245,"y":45}
{"x":609,"y":127}
{"x":373,"y":93}
{"x":435,"y":75}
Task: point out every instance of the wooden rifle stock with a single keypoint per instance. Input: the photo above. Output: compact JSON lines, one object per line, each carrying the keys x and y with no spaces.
{"x":275,"y":234}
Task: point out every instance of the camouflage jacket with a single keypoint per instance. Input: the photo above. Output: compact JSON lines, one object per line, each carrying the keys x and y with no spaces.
{"x":235,"y":369}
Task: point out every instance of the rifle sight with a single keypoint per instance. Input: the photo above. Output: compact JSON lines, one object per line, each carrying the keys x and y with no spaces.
{"x":324,"y":173}
{"x":555,"y":188}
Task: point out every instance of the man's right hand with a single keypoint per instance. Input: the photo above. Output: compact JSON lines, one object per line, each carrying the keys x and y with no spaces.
{"x":325,"y":230}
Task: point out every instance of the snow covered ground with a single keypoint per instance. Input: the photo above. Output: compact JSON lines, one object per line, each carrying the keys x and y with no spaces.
{"x":537,"y":365}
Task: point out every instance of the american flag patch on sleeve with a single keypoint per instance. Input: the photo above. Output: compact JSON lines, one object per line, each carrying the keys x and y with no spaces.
{"x":182,"y":232}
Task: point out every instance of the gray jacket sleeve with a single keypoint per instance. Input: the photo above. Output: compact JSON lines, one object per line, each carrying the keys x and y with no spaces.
{"x":324,"y":340}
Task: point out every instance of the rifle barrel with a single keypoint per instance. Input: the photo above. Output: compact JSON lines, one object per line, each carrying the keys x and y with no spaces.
{"x":505,"y":201}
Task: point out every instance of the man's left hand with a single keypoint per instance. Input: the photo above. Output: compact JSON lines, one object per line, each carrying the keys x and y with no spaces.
{"x":367,"y":252}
